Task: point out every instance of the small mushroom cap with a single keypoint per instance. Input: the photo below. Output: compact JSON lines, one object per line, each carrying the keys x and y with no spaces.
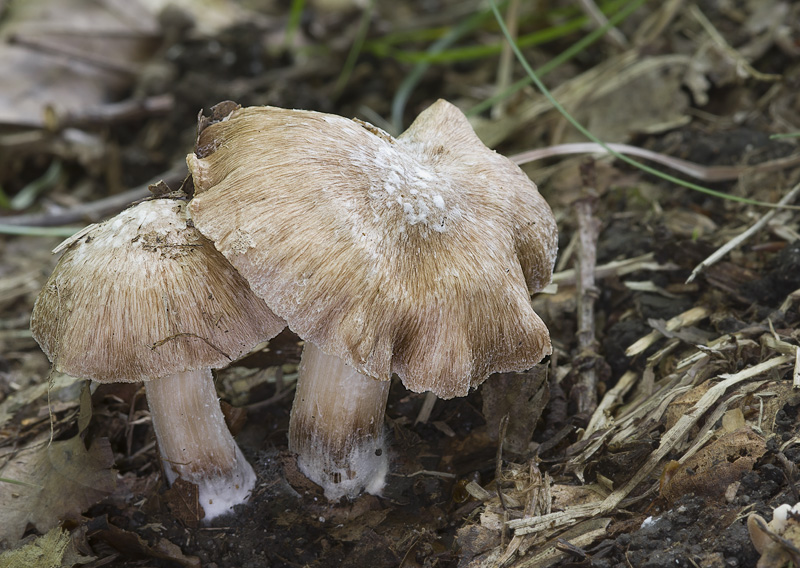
{"x":145,"y":295}
{"x":414,"y":255}
{"x":758,"y":529}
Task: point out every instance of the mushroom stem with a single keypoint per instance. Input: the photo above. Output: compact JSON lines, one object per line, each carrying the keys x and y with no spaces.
{"x":195,"y":443}
{"x":336,"y":426}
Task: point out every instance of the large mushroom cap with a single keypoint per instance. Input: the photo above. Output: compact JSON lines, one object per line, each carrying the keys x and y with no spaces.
{"x":145,"y":295}
{"x":413,"y":255}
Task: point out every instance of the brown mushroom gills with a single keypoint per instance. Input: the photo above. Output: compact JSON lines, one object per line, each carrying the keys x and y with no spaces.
{"x":195,"y":443}
{"x":338,"y":439}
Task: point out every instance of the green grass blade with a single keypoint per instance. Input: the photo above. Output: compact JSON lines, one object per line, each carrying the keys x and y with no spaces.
{"x":410,"y":82}
{"x":560,"y":59}
{"x":593,"y":138}
{"x":295,"y":15}
{"x":27,"y":231}
{"x":472,"y":52}
{"x":355,"y":49}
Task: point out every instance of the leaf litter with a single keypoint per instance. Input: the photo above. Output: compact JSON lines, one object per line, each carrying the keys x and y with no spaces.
{"x":697,"y":414}
{"x":54,"y":481}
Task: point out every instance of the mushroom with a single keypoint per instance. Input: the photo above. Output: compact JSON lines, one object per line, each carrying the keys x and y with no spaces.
{"x":145,"y":297}
{"x":413,"y":255}
{"x":778,"y":542}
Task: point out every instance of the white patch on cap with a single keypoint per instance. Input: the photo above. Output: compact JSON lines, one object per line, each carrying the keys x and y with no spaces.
{"x":413,"y":186}
{"x":241,"y":241}
{"x":157,"y":216}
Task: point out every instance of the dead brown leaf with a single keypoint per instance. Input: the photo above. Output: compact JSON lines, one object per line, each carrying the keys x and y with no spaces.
{"x":68,"y":56}
{"x":183,"y":502}
{"x":473,"y":543}
{"x":134,"y":546}
{"x":352,"y":530}
{"x":711,"y":470}
{"x":684,"y":403}
{"x":54,"y":481}
{"x":520,"y":396}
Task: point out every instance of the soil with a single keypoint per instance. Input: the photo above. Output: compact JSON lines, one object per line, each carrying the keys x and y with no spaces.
{"x":458,"y":481}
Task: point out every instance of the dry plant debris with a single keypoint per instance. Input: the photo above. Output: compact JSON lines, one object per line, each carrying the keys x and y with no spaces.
{"x":53,"y":549}
{"x":697,"y":417}
{"x":47,"y":482}
{"x":106,"y":46}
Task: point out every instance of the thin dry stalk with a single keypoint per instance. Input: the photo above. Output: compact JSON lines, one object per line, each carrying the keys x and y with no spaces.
{"x":644,"y":262}
{"x":111,"y":113}
{"x":654,"y":25}
{"x":505,"y":65}
{"x":697,"y":171}
{"x":669,"y":441}
{"x":427,"y":407}
{"x":585,"y":390}
{"x":600,"y":418}
{"x":741,"y":62}
{"x":685,"y":319}
{"x":736,"y":241}
{"x":600,"y":20}
{"x":96,"y":210}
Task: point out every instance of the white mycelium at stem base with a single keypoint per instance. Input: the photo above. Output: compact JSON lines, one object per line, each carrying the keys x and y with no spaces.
{"x":195,"y":443}
{"x":336,"y":427}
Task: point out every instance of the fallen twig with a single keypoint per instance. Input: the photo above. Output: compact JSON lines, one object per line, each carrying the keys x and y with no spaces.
{"x":585,"y":389}
{"x":697,"y":171}
{"x":614,"y":268}
{"x":122,"y":111}
{"x":94,"y":211}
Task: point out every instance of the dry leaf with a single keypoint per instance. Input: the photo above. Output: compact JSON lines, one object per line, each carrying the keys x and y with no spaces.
{"x":709,"y":472}
{"x":352,"y":530}
{"x":131,"y":545}
{"x":69,"y":55}
{"x":521,"y":396}
{"x":474,"y":542}
{"x":684,"y":403}
{"x":183,"y":502}
{"x":627,"y":104}
{"x":54,"y":482}
{"x":58,"y":384}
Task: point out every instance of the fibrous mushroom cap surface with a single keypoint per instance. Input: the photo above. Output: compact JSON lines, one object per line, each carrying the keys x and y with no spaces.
{"x":412,"y":255}
{"x":144,"y":295}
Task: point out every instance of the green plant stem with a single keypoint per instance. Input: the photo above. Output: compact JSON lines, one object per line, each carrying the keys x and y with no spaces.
{"x":472,"y":52}
{"x":27,"y":231}
{"x":28,"y":194}
{"x":385,"y":45}
{"x":407,"y":86}
{"x":355,"y":49}
{"x":16,"y":482}
{"x":295,"y":15}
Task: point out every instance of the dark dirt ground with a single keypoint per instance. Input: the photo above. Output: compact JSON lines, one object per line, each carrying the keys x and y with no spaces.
{"x":664,"y":474}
